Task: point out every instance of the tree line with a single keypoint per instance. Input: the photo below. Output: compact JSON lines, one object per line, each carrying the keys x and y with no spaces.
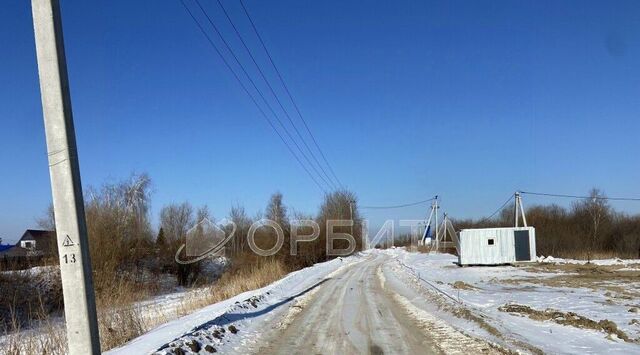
{"x":125,"y":244}
{"x":589,"y":228}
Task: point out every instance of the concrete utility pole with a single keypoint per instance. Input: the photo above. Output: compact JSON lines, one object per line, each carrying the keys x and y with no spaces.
{"x":64,"y":170}
{"x":515,"y":208}
{"x":524,"y":217}
{"x":435,"y":209}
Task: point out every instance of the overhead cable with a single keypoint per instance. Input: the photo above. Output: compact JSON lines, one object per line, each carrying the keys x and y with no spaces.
{"x":286,"y":88}
{"x":244,"y":88}
{"x":397,"y":206}
{"x":267,"y":82}
{"x":582,"y":197}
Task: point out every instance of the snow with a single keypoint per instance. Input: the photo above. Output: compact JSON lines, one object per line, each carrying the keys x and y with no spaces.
{"x":432,"y":289}
{"x":237,"y":320}
{"x":490,"y":289}
{"x":599,"y":262}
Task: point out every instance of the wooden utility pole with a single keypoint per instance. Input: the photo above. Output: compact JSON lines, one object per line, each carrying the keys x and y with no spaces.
{"x":68,"y":203}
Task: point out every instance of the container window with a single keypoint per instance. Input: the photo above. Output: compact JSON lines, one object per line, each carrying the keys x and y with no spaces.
{"x":491,"y":241}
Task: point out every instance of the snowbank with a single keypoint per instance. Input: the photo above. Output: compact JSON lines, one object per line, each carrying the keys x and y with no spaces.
{"x":223,"y":325}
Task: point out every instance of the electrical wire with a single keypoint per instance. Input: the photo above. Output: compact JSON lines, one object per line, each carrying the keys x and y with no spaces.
{"x":244,"y":88}
{"x":286,"y":88}
{"x":498,"y":210}
{"x":264,"y":78}
{"x":235,"y":57}
{"x":396,"y":206}
{"x":582,"y":197}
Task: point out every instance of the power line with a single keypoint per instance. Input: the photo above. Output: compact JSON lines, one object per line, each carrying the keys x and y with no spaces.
{"x":396,"y":206}
{"x":244,"y":44}
{"x":286,"y":131}
{"x":249,"y":94}
{"x":582,"y":197}
{"x":284,"y":128}
{"x":286,"y":88}
{"x":496,"y":212}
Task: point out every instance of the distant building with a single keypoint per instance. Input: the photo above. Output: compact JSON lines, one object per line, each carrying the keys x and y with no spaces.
{"x":33,"y":246}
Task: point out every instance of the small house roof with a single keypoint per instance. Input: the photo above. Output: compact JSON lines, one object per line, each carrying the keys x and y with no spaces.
{"x":45,"y":244}
{"x":38,"y":234}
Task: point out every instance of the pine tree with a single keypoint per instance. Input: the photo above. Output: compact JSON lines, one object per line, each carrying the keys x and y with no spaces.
{"x":161,"y":240}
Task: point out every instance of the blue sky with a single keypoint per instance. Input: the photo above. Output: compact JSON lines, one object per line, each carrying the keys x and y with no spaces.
{"x":466,"y":99}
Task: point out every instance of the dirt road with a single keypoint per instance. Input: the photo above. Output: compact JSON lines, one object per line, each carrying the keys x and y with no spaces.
{"x":352,"y":314}
{"x":369,"y":303}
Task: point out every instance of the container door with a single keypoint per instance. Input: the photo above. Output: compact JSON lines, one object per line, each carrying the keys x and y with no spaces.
{"x":523,"y":252}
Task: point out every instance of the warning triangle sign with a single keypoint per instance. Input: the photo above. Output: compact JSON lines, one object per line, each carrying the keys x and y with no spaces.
{"x":67,"y":242}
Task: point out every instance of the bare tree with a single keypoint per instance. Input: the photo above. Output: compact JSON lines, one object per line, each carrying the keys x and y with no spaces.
{"x":126,"y":204}
{"x":136,"y":196}
{"x":120,"y":234}
{"x":596,"y":209}
{"x":341,"y":205}
{"x":239,"y":216}
{"x":204,"y":213}
{"x":277,"y":211}
{"x":176,"y":220}
{"x":48,"y":220}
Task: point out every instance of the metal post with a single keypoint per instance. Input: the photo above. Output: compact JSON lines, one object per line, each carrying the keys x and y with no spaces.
{"x":64,"y":171}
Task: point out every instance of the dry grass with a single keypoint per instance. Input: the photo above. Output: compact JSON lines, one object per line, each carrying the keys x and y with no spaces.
{"x":120,"y":321}
{"x":120,"y":326}
{"x":38,"y":332}
{"x":596,"y":255}
{"x":25,"y":297}
{"x":567,"y":318}
{"x":235,"y":282}
{"x":50,"y":336}
{"x":621,"y":281}
{"x":461,"y":285}
{"x":27,"y":302}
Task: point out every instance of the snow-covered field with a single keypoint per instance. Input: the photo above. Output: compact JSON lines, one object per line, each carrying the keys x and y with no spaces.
{"x":608,"y":290}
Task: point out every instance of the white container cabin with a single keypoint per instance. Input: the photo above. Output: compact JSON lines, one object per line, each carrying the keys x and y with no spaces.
{"x":496,"y":246}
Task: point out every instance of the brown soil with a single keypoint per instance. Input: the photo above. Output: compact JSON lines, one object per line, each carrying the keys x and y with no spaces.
{"x":463,"y":286}
{"x":584,"y":268}
{"x":615,"y":279}
{"x":568,"y":318}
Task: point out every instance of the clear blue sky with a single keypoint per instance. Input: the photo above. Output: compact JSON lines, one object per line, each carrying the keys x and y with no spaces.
{"x":470,"y":100}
